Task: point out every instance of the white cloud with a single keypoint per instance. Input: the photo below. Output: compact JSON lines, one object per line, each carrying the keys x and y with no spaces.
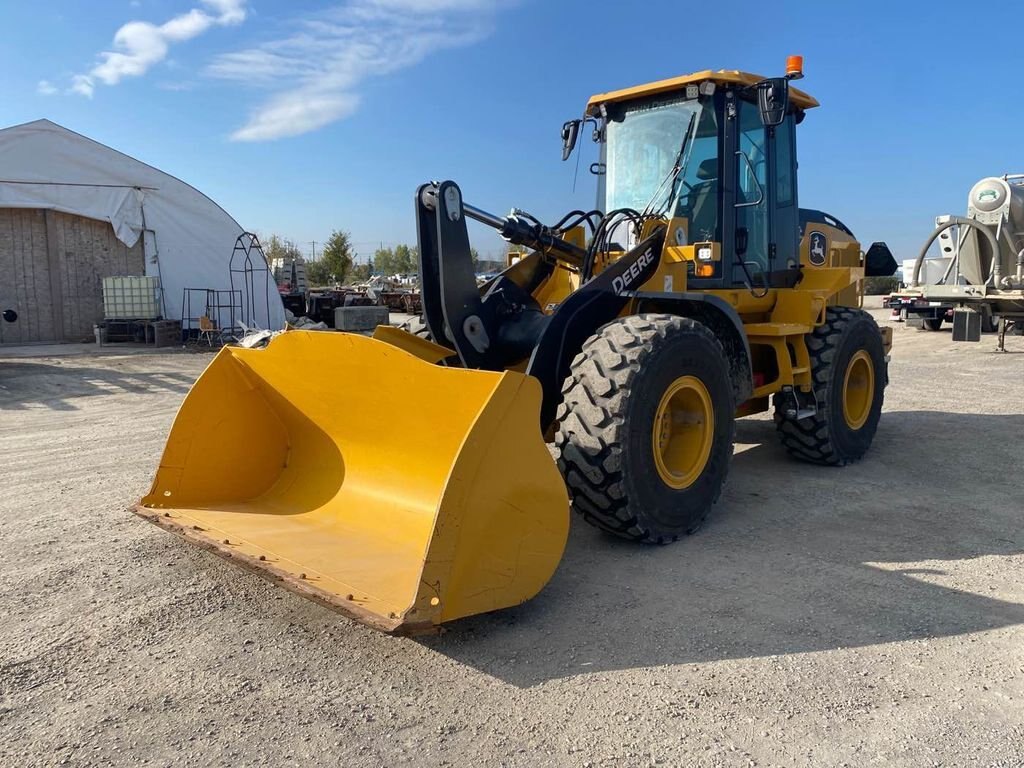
{"x":314,"y":74}
{"x":228,"y":11}
{"x":422,"y":6}
{"x":175,"y":86}
{"x":83,"y":85}
{"x":291,"y":114}
{"x":140,"y":44}
{"x":46,"y":88}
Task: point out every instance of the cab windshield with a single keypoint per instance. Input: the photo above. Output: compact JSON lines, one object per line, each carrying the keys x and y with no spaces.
{"x":646,"y":141}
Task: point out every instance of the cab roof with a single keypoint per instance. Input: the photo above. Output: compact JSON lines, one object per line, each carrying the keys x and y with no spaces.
{"x":724,"y":77}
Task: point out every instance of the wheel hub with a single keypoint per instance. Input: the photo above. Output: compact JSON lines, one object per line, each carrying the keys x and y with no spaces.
{"x":858,"y":389}
{"x":683,"y":431}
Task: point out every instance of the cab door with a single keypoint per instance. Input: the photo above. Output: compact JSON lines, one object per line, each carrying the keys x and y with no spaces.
{"x":760,"y":204}
{"x":785,"y":244}
{"x":752,"y":205}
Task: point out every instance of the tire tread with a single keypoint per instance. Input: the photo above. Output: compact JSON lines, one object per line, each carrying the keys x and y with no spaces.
{"x":811,"y":439}
{"x":591,"y":426}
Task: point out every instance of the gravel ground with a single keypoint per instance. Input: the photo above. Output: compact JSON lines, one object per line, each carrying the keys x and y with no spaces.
{"x":870,"y":615}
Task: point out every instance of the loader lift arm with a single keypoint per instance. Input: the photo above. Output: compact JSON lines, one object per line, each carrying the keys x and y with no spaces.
{"x":453,"y":307}
{"x":503,"y":324}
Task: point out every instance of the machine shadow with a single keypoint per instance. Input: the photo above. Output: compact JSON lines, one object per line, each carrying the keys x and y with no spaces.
{"x":794,"y":558}
{"x":57,"y":385}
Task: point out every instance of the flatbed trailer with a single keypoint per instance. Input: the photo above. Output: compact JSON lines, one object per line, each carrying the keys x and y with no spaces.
{"x":913,"y":305}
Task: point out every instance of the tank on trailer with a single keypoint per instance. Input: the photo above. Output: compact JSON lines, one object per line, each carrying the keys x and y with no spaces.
{"x":986,"y":277}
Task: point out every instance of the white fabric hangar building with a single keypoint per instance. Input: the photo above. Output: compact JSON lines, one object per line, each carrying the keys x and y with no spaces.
{"x":73,"y":211}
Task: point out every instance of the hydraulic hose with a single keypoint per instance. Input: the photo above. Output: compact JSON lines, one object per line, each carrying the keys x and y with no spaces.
{"x":996,"y":272}
{"x":516,"y":230}
{"x":519,"y":232}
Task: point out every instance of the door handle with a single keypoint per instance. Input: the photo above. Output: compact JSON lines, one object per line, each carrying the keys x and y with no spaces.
{"x":753,"y":176}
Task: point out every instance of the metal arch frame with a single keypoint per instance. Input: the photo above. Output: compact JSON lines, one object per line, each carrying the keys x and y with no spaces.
{"x":246,"y":244}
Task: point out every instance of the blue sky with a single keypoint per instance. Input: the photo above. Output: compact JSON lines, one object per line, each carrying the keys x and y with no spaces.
{"x":301,"y":116}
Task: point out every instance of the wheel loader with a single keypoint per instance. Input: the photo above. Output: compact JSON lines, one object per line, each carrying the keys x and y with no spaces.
{"x":406,"y":479}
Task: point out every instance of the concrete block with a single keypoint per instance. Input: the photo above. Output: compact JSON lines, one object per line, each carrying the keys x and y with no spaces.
{"x":360,"y":318}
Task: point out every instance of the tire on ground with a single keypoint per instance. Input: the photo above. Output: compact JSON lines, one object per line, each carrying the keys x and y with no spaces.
{"x":932,"y":324}
{"x":606,"y":421}
{"x":827,"y":437}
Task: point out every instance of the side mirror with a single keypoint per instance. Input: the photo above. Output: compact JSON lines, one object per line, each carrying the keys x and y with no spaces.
{"x":773,"y":100}
{"x":570,"y":133}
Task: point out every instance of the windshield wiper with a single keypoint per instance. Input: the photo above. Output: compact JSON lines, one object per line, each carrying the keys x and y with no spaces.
{"x":678,"y":166}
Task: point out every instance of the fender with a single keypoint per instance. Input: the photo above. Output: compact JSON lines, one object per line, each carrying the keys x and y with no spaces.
{"x":721,"y":318}
{"x":599,"y":301}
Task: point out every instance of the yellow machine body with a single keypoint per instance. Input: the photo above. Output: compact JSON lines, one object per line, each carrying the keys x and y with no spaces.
{"x":724,"y":77}
{"x":368,"y":475}
{"x":401,"y":493}
{"x":776,"y":322}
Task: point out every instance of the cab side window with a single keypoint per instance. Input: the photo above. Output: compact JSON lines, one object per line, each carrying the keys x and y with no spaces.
{"x":785,"y":188}
{"x":751,"y":192}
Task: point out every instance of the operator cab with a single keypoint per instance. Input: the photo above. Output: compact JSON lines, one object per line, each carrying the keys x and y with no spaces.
{"x":714,"y":153}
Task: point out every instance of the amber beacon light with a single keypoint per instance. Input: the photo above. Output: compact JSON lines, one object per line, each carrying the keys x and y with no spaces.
{"x":794,"y":67}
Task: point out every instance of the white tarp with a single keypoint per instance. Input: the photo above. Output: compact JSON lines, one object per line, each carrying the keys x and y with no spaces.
{"x":189,"y":238}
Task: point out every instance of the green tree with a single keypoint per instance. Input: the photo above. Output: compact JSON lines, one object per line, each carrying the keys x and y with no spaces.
{"x":317,"y":274}
{"x":875,"y":286}
{"x":276,"y":247}
{"x":384,"y":261}
{"x":401,"y":260}
{"x":337,"y":255}
{"x":406,"y":259}
{"x":280,"y":253}
{"x":360,"y":273}
{"x":335,"y":260}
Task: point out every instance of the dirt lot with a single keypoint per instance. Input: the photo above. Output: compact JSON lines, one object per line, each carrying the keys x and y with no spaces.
{"x":865,"y":616}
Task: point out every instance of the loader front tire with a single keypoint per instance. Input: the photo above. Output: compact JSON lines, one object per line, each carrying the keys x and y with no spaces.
{"x":849,"y":374}
{"x":645,"y":427}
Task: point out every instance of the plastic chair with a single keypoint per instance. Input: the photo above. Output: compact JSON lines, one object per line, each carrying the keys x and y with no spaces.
{"x":207,"y":330}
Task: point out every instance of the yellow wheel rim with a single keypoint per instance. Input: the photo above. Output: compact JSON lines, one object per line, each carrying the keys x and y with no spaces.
{"x":858,"y":390}
{"x":684,"y":429}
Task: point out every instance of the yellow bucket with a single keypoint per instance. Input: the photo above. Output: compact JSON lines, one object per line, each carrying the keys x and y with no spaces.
{"x":401,"y":493}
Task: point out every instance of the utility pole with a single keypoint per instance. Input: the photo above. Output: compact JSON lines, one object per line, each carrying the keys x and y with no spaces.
{"x":312,"y":256}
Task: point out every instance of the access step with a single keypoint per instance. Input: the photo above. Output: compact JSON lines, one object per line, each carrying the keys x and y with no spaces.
{"x":777,"y":329}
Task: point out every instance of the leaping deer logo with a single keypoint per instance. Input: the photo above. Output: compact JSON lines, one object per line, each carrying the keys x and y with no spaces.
{"x":819,"y":248}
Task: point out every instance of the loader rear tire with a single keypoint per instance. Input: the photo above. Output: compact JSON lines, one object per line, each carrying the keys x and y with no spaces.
{"x":645,"y":427}
{"x":849,"y":372}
